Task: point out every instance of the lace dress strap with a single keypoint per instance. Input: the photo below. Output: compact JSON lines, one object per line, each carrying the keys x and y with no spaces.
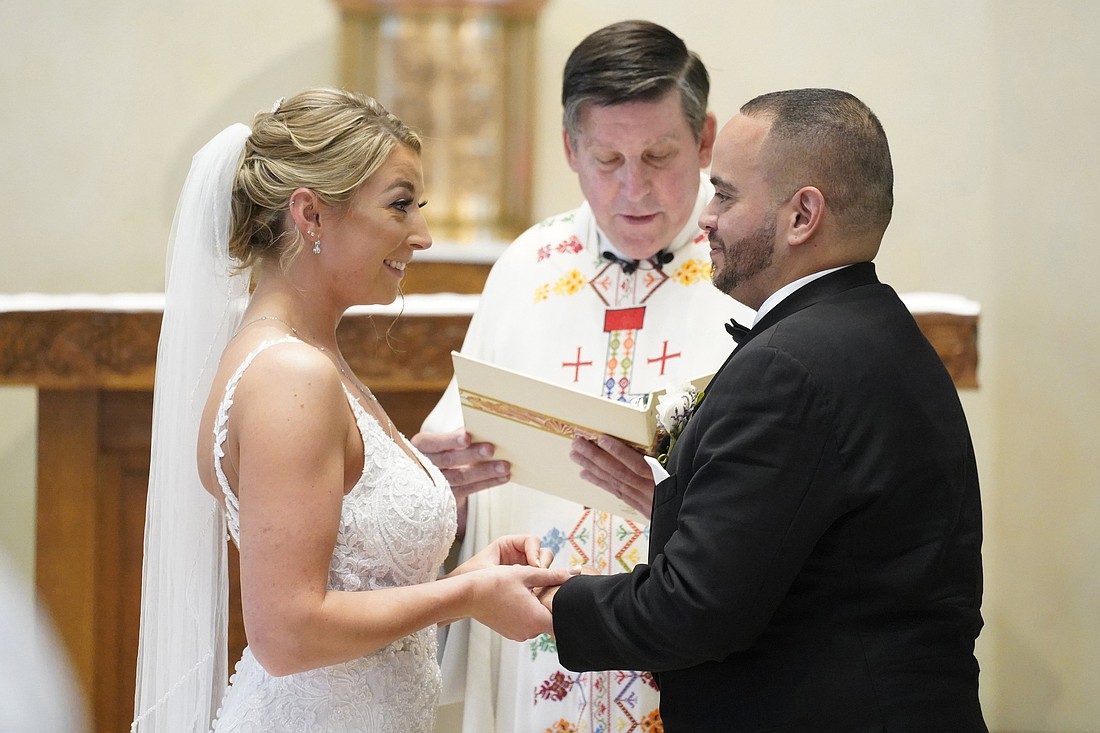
{"x":232,"y":507}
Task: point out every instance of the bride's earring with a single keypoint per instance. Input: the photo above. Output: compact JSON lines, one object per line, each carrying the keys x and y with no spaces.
{"x":316,"y":242}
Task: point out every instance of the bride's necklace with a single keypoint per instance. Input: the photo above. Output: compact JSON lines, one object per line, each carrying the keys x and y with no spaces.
{"x":359,"y":386}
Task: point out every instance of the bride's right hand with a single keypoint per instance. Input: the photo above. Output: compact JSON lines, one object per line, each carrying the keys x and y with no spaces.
{"x":504,"y":599}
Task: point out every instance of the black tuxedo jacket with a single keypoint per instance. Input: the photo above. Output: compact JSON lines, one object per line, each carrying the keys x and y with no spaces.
{"x":815,"y":554}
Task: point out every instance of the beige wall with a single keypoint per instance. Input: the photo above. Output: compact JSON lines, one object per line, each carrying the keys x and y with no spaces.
{"x":991,"y":108}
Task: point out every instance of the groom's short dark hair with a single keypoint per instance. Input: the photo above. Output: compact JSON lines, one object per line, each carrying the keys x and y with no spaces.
{"x":831,"y":140}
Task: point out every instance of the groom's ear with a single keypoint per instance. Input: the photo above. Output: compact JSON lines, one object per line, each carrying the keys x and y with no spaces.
{"x":805,"y":214}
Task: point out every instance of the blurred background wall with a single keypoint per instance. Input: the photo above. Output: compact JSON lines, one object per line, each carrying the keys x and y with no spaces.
{"x":991,"y":108}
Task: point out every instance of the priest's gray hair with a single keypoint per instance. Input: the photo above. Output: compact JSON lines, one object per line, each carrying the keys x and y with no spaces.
{"x":633,"y":61}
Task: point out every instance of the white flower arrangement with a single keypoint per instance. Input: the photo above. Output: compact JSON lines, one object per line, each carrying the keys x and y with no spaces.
{"x":674,"y":407}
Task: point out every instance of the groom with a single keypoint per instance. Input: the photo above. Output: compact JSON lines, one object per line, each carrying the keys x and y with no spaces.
{"x":815,"y":558}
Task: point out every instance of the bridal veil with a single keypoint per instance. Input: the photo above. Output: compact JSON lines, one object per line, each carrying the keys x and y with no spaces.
{"x":182,"y":657}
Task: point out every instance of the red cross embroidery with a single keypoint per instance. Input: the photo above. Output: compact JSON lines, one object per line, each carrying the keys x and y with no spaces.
{"x":577,"y":365}
{"x":664,"y":357}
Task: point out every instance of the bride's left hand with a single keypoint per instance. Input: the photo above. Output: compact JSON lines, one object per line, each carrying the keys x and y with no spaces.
{"x":513,"y":549}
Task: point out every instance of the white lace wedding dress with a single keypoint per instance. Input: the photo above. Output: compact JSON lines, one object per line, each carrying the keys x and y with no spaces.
{"x":396,"y":527}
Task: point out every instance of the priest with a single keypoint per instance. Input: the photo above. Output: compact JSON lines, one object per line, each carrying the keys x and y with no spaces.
{"x":613,"y":298}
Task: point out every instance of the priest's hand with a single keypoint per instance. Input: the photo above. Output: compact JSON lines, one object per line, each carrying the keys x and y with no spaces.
{"x":467,"y":466}
{"x":616,"y":468}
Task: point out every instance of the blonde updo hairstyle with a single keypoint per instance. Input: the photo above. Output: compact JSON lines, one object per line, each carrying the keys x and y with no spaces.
{"x":327,"y":140}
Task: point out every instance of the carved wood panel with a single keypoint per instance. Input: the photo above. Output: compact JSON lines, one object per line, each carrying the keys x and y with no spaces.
{"x":94,"y":371}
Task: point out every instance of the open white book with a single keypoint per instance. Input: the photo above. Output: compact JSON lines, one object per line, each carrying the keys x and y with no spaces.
{"x":533,"y":422}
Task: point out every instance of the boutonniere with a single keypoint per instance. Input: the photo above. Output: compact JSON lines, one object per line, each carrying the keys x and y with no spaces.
{"x":674,"y":408}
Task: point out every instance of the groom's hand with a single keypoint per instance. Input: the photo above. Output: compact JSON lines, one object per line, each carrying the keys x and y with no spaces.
{"x":616,"y":468}
{"x":546,"y":595}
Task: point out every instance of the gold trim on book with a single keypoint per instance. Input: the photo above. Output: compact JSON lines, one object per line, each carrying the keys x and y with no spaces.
{"x":538,"y":420}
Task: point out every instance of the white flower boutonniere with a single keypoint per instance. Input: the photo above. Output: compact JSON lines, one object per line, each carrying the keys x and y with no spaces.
{"x":674,"y":407}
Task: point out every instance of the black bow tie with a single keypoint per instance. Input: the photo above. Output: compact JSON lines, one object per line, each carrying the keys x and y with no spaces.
{"x":737,"y":331}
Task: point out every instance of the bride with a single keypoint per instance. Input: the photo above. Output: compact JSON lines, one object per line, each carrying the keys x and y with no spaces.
{"x":341,"y":524}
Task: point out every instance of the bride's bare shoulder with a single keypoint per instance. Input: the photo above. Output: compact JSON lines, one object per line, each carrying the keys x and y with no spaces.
{"x":280,"y":388}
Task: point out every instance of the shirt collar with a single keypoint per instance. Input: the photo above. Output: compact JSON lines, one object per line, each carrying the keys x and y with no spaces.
{"x":777,"y":297}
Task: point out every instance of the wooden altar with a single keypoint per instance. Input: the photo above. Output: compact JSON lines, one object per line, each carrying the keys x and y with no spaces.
{"x":93,"y":368}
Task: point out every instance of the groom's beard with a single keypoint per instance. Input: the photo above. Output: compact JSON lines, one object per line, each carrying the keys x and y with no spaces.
{"x":745,"y":258}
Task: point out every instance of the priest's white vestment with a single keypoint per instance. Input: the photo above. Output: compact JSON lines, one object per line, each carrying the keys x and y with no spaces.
{"x":555,"y":308}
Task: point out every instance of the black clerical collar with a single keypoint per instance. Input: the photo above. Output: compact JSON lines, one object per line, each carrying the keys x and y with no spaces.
{"x":656,"y":262}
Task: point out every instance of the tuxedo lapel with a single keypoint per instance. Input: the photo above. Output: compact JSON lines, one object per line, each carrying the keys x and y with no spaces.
{"x":826,"y":286}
